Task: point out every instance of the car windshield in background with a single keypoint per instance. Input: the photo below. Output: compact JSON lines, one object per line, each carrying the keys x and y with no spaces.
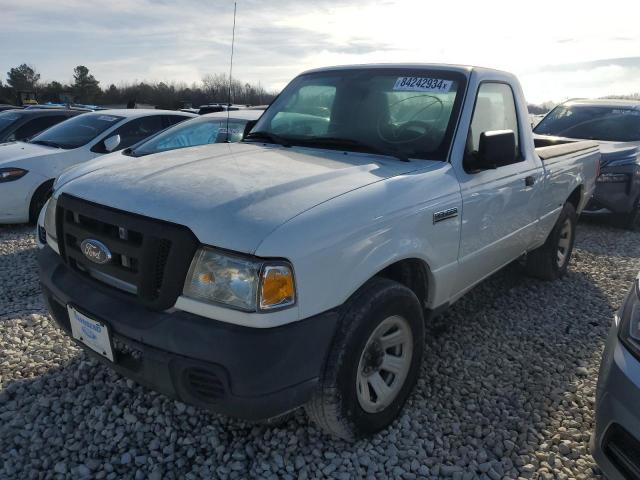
{"x":405,"y":113}
{"x":592,"y":122}
{"x":76,"y":131}
{"x":7,"y":119}
{"x":198,"y":131}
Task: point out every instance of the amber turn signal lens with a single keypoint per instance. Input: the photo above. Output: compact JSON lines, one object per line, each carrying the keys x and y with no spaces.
{"x":277,"y":289}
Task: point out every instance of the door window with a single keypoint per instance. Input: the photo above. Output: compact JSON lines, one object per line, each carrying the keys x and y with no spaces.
{"x":495,"y":109}
{"x":138,"y":129}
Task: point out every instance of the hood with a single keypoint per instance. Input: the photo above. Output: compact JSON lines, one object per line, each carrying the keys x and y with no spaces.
{"x":232,"y":195}
{"x":102,"y":162}
{"x":619,"y":153}
{"x":14,"y":151}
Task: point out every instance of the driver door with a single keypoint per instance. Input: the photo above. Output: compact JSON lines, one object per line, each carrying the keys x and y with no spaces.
{"x":499,"y":205}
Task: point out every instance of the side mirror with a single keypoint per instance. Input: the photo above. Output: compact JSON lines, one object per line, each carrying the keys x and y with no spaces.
{"x":248,"y":127}
{"x":111,"y":143}
{"x":497,"y":149}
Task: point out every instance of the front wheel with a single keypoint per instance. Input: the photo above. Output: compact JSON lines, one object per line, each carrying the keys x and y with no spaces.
{"x":630,"y":220}
{"x":551,"y":260}
{"x":38,"y":200}
{"x":374,"y":361}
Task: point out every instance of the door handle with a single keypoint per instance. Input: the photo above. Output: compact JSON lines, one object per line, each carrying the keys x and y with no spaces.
{"x":529,"y":181}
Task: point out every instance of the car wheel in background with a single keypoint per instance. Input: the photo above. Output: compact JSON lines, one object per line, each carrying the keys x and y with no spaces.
{"x":551,"y":260}
{"x":38,"y":200}
{"x":374,"y":361}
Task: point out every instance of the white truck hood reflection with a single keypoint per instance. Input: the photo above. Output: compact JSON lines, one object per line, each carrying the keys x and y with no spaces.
{"x":232,"y":195}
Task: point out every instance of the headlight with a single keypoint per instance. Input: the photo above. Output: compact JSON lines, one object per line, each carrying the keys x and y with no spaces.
{"x":629,"y":332}
{"x":240,"y":282}
{"x":10,"y":174}
{"x":612,"y":178}
{"x":50,"y":217}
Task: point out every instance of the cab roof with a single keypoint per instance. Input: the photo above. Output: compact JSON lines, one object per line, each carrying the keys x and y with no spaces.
{"x":464,"y":69}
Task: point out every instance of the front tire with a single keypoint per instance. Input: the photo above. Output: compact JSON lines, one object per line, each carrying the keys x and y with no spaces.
{"x":630,"y":220}
{"x":550,"y":261}
{"x":38,"y":200}
{"x":374,"y":361}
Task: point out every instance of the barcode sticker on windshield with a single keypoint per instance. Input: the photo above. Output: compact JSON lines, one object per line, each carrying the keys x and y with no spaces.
{"x":422,"y":84}
{"x":107,"y":118}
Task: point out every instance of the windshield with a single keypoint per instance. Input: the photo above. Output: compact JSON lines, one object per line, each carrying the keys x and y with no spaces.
{"x":606,"y":123}
{"x":198,"y":131}
{"x":76,"y":131}
{"x":7,"y":119}
{"x":406,"y":113}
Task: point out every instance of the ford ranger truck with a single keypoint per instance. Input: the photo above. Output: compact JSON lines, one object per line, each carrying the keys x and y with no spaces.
{"x":298,"y":267}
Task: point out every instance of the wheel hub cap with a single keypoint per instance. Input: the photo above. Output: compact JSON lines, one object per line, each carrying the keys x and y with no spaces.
{"x":384,"y":364}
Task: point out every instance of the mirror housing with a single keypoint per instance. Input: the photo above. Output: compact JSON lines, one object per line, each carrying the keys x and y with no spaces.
{"x":497,"y":149}
{"x":248,"y":127}
{"x":111,"y":143}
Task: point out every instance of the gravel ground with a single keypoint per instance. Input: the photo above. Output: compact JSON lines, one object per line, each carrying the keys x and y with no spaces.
{"x":507,"y":391}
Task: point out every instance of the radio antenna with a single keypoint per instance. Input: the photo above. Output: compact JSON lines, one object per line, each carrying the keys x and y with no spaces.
{"x":233,"y":40}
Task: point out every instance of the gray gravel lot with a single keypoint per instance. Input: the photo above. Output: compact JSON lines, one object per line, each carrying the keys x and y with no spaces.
{"x":507,"y":391}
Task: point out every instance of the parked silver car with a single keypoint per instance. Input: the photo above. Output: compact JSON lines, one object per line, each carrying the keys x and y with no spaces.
{"x":615,"y":443}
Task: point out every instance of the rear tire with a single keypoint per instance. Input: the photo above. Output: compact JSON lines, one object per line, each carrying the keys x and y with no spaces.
{"x":550,"y":261}
{"x":38,"y":200}
{"x":374,"y":361}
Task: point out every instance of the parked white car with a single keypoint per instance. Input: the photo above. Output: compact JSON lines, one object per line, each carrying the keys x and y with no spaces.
{"x":28,"y":169}
{"x":298,"y":266}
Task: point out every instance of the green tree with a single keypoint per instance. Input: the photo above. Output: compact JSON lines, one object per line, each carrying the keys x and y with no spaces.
{"x":85,"y":86}
{"x":52,"y":92}
{"x":23,"y":77}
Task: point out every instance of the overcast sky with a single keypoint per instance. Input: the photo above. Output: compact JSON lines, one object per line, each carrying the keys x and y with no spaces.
{"x":559,"y":48}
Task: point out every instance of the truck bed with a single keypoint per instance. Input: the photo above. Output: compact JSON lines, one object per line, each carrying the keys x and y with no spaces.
{"x":548,"y":148}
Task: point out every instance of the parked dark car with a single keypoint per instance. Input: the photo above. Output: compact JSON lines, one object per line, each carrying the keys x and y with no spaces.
{"x":615,"y":124}
{"x":24,"y":124}
{"x":615,"y":443}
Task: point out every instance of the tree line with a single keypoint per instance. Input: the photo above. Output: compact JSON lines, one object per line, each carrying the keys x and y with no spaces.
{"x":86,"y":89}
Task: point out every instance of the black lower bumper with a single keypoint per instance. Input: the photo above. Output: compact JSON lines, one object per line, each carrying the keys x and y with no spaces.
{"x":251,"y":373}
{"x":619,"y":196}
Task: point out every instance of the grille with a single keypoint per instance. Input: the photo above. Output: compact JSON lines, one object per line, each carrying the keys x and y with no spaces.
{"x":623,"y":450}
{"x":149,"y":258}
{"x":204,"y":385}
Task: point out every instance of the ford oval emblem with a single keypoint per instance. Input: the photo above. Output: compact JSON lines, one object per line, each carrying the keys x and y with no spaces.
{"x":95,"y":251}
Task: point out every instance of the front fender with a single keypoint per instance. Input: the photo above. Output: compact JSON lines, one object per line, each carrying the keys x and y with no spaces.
{"x":337,"y":246}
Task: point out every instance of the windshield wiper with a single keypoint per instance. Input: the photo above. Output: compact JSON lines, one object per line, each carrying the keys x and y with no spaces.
{"x":271,"y":137}
{"x":349,"y":142}
{"x":46,"y":143}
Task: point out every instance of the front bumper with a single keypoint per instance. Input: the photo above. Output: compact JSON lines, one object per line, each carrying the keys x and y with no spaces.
{"x":251,"y":373}
{"x":616,"y":197}
{"x":617,"y":431}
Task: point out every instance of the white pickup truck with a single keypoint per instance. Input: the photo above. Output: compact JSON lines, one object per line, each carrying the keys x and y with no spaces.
{"x":299,"y":266}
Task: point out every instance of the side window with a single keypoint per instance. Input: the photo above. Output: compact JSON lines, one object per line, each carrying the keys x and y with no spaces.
{"x":495,"y":109}
{"x":37,"y":125}
{"x":138,"y":129}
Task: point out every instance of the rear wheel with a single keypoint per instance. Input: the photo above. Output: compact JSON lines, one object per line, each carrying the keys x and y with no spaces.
{"x":374,"y":361}
{"x":551,"y":260}
{"x":38,"y":200}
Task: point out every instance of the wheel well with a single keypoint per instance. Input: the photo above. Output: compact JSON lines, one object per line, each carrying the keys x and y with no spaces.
{"x":575,"y":197}
{"x":412,"y":273}
{"x":45,"y":187}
